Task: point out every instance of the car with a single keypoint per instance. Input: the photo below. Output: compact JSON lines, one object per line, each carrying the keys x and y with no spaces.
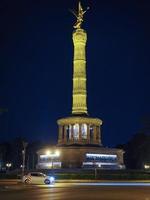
{"x":38,"y":178}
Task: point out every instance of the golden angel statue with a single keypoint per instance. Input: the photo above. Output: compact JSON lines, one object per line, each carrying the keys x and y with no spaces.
{"x":79,"y":16}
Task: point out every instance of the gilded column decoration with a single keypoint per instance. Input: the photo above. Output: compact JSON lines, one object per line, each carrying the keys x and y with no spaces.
{"x":79,"y":69}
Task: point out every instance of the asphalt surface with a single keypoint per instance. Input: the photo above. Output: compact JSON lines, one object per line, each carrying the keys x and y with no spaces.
{"x":75,"y":191}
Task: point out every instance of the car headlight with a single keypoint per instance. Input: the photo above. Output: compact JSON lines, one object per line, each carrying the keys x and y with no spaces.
{"x":51,"y":178}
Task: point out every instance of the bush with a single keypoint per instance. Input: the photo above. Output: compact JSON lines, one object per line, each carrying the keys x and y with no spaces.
{"x":89,"y":174}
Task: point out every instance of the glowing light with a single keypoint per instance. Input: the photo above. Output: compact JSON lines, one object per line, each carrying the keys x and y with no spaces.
{"x":98,"y":163}
{"x":8,"y":165}
{"x":49,"y":165}
{"x":101,"y":155}
{"x":52,"y":179}
{"x":147,"y":166}
{"x":48,"y":152}
{"x":57,"y":153}
{"x":44,"y":156}
{"x":84,"y":131}
{"x":76,"y":131}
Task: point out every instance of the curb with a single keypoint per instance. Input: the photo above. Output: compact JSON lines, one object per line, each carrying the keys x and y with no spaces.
{"x":13,"y":181}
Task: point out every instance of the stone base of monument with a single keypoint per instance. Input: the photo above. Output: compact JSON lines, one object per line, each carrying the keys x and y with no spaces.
{"x":78,"y":156}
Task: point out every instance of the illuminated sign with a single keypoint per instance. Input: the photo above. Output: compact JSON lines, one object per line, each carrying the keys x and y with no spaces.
{"x":92,"y":155}
{"x":47,"y":165}
{"x":49,"y":156}
{"x":98,"y":163}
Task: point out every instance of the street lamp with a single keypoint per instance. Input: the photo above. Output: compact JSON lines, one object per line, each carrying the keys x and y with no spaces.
{"x":23,"y":156}
{"x":8,"y":165}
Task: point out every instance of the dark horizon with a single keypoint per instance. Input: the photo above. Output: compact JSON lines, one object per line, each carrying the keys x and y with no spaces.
{"x":36,"y":67}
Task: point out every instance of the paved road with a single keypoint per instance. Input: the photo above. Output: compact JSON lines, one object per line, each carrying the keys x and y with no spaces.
{"x":64,"y":191}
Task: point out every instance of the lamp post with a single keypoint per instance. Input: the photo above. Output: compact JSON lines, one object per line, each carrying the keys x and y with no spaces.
{"x":24,"y":157}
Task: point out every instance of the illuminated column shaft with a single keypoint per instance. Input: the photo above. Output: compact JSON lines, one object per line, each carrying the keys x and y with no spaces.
{"x":79,"y":73}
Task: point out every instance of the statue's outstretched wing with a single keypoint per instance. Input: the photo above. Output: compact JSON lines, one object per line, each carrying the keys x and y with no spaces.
{"x":74,"y":13}
{"x":80,"y":7}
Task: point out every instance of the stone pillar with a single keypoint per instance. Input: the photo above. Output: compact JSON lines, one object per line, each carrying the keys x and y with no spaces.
{"x":88,"y":133}
{"x":62,"y":134}
{"x":60,"y":139}
{"x":72,"y":139}
{"x":120,"y":157}
{"x":99,"y":134}
{"x":65,"y":135}
{"x":80,"y":134}
{"x":94,"y":136}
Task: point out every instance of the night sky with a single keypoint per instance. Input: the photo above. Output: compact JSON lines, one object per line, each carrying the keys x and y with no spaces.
{"x":36,"y":66}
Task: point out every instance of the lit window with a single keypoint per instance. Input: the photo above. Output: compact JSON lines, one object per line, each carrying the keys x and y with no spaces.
{"x":84,"y":131}
{"x":76,"y":131}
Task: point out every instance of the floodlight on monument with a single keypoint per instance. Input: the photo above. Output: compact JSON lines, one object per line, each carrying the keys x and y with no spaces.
{"x":57,"y":153}
{"x":48,"y":152}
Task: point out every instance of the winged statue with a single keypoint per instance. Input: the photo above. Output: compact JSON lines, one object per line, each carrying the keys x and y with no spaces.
{"x":79,"y":15}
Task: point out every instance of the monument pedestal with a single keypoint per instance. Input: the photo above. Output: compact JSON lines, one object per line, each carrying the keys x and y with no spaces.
{"x":87,"y":156}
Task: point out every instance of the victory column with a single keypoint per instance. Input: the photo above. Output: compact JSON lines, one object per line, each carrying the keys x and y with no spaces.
{"x":79,"y":137}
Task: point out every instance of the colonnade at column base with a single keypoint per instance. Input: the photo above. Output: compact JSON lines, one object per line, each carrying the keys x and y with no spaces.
{"x":79,"y":130}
